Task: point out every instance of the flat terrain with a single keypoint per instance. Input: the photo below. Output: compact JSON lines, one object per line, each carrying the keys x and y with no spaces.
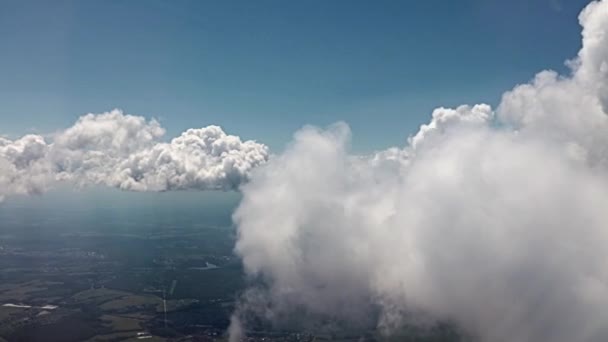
{"x":69,"y":277}
{"x":106,"y":274}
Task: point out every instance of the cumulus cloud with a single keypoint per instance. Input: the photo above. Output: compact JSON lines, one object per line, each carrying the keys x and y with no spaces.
{"x":492,"y":220}
{"x":126,"y":151}
{"x":203,"y":158}
{"x":23,"y":168}
{"x":444,"y":119}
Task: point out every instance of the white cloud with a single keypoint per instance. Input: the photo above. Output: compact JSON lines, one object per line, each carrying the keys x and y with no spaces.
{"x":126,"y":151}
{"x":497,"y":224}
{"x":444,"y":119}
{"x":23,"y":167}
{"x":93,"y":148}
{"x":205,"y":158}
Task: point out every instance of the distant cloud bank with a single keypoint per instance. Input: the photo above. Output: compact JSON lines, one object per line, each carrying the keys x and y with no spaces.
{"x":126,"y":152}
{"x":493,"y":219}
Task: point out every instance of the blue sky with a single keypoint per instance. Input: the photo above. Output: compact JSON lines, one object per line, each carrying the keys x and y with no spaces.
{"x":262,"y":69}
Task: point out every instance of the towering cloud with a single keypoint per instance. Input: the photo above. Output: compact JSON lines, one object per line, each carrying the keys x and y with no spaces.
{"x":493,"y":220}
{"x":126,"y":151}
